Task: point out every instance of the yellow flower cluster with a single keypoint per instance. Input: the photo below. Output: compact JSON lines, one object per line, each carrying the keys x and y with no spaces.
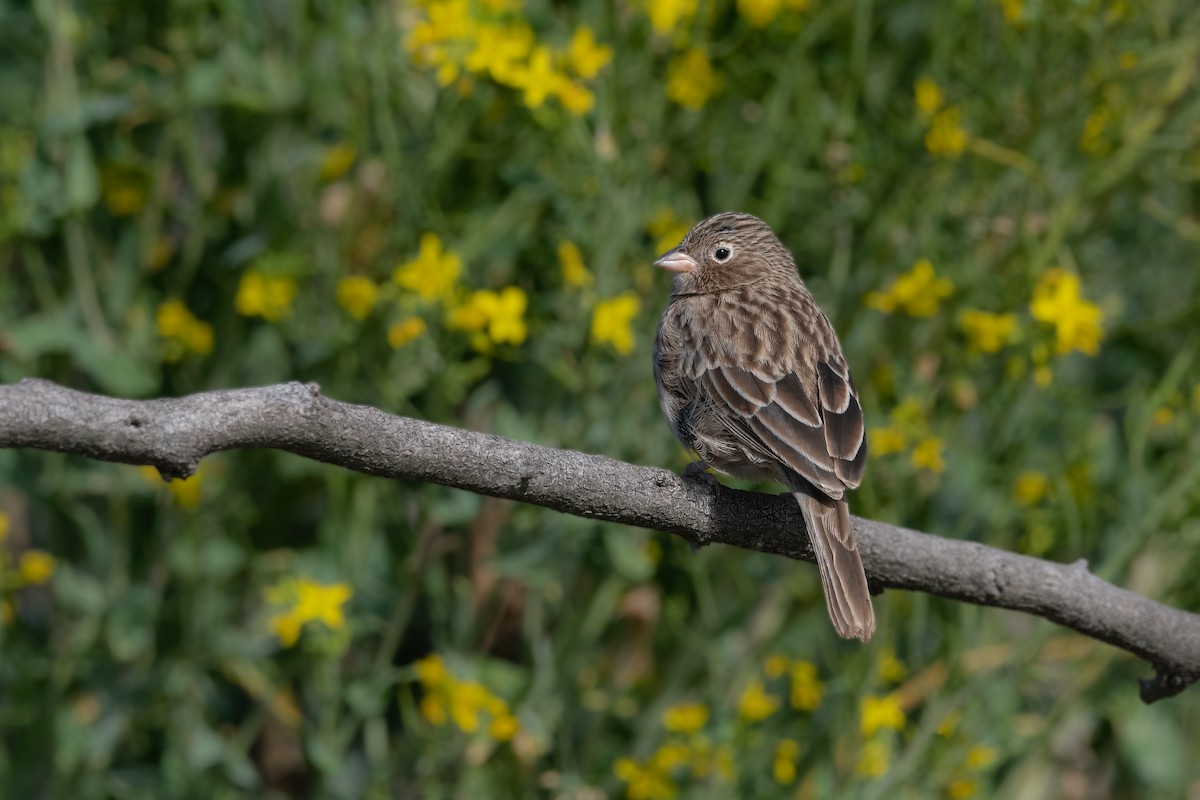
{"x":876,"y":715}
{"x":928,"y":95}
{"x":918,"y":292}
{"x":612,"y":321}
{"x":433,"y":274}
{"x":266,"y":296}
{"x":880,"y":713}
{"x":987,"y":332}
{"x":1030,"y":487}
{"x":574,"y":272}
{"x":945,"y":135}
{"x":494,"y":317}
{"x":691,"y":79}
{"x":787,"y":751}
{"x":404,"y":331}
{"x":302,"y":600}
{"x":907,"y":425}
{"x":655,"y":777}
{"x":668,"y":15}
{"x":761,"y":13}
{"x":357,"y":294}
{"x":181,"y":331}
{"x":33,"y":568}
{"x":448,"y":37}
{"x":468,"y":704}
{"x":685,"y":717}
{"x":1057,"y":301}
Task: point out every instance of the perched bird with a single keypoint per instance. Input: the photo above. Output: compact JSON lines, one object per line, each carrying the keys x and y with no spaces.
{"x":751,"y":377}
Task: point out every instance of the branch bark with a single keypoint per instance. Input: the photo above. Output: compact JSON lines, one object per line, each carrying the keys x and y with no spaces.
{"x":174,"y":434}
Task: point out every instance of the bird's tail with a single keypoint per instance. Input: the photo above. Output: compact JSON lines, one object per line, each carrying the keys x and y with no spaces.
{"x":846,"y":594}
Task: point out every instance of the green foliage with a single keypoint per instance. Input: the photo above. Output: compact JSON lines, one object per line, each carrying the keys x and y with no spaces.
{"x":995,"y":202}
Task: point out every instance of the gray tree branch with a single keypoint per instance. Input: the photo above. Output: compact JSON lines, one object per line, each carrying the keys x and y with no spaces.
{"x":174,"y":434}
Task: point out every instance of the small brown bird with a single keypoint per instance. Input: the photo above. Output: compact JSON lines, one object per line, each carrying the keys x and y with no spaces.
{"x":751,"y":377}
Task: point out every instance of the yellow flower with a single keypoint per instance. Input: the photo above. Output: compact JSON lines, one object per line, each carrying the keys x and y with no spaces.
{"x":644,"y":782}
{"x":886,"y":440}
{"x":1014,"y":10}
{"x":575,"y":97}
{"x":807,"y":690}
{"x":266,"y":296}
{"x":685,"y":717}
{"x":466,"y":701}
{"x":1030,"y":487}
{"x":890,"y":669}
{"x":182,"y":331}
{"x":36,"y":567}
{"x":691,"y":79}
{"x":433,"y":273}
{"x":946,"y":135}
{"x":961,"y":789}
{"x":1127,"y":60}
{"x":499,"y":314}
{"x":500,"y":51}
{"x":756,"y":703}
{"x":585,"y":56}
{"x":172,"y":318}
{"x":357,"y":294}
{"x":433,"y":709}
{"x":981,"y":757}
{"x":539,"y":79}
{"x":669,"y":756}
{"x":574,"y":273}
{"x":928,"y":95}
{"x":402,"y":332}
{"x":917,"y":292}
{"x":1056,"y":301}
{"x":880,"y":713}
{"x":987,"y":332}
{"x":873,"y":759}
{"x":337,"y":160}
{"x":302,"y":601}
{"x":1162,"y":417}
{"x":612,"y":321}
{"x":775,"y":665}
{"x":504,"y":728}
{"x":666,"y":15}
{"x":5,"y":524}
{"x":927,"y":454}
{"x":759,"y":13}
{"x":784,"y":767}
{"x":431,"y":670}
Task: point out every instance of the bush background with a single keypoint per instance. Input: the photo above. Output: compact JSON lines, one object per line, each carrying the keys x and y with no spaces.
{"x":185,"y":187}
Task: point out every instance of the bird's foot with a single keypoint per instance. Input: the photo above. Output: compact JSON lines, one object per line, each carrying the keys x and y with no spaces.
{"x":699,"y":471}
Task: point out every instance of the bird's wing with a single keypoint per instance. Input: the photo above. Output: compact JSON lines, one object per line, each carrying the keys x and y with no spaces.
{"x":813,"y":425}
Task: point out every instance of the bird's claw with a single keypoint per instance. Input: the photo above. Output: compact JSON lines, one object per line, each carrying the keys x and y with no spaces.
{"x":699,"y":471}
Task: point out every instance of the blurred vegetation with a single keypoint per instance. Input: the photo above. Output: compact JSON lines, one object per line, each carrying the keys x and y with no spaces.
{"x":449,"y":210}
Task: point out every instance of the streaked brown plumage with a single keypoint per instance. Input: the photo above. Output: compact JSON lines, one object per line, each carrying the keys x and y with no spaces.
{"x":751,"y":377}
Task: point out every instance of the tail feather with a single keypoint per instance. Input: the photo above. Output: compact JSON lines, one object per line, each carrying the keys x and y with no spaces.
{"x":846,"y":594}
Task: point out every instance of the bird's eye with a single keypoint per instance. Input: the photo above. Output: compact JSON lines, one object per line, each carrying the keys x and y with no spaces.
{"x":722,"y":253}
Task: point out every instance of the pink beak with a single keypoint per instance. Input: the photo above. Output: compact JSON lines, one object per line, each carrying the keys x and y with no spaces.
{"x":677,"y":261}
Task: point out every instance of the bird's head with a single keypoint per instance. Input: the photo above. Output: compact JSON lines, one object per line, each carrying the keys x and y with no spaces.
{"x":726,"y":251}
